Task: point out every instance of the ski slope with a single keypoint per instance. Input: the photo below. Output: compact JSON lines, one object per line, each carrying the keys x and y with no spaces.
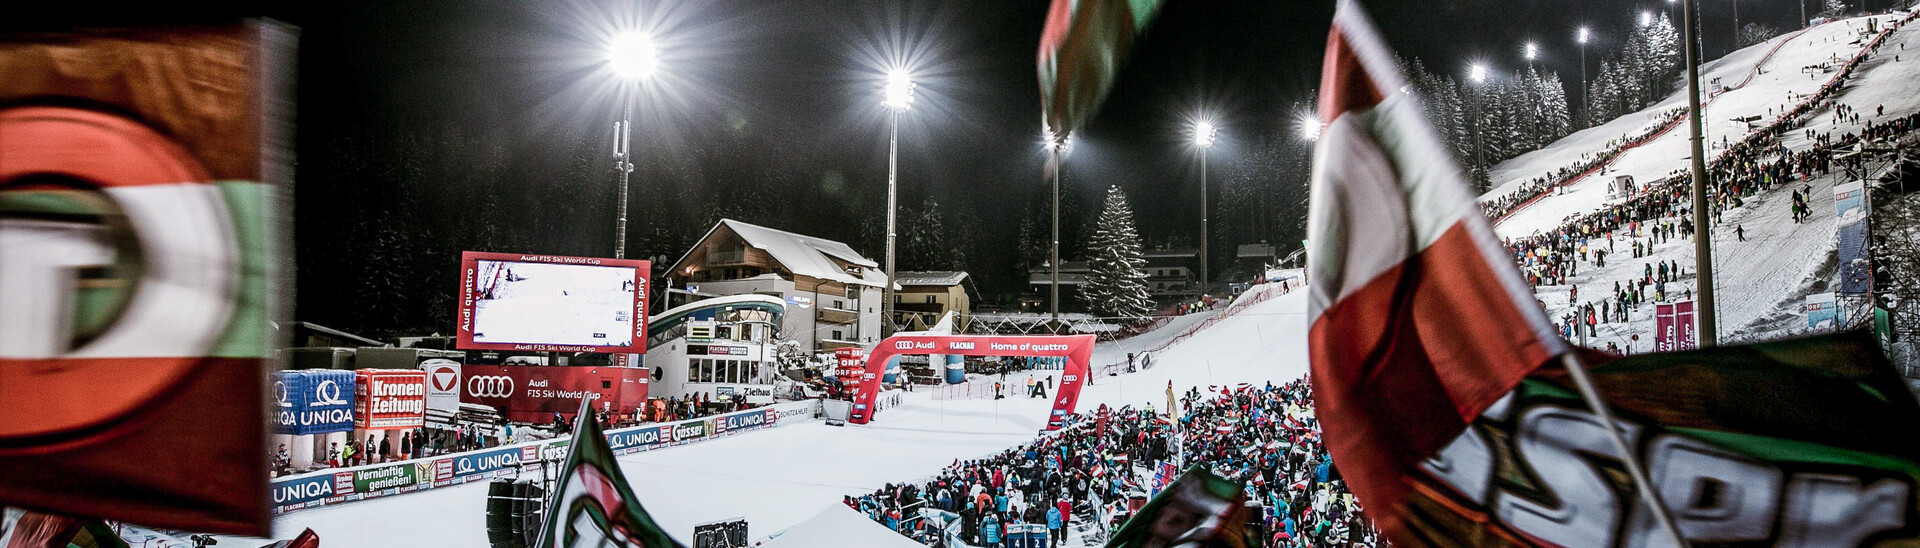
{"x":781,"y":477}
{"x":1760,"y":282}
{"x":1765,"y":79}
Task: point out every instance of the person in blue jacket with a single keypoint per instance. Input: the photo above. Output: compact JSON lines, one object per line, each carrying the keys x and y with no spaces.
{"x":1053,"y":526}
{"x":990,"y":530}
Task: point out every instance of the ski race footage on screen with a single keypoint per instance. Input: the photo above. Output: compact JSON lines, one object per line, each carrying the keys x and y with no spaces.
{"x":803,"y":274}
{"x":533,"y":302}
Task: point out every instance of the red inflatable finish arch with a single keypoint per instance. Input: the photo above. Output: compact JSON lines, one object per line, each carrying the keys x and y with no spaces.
{"x":1078,"y":349}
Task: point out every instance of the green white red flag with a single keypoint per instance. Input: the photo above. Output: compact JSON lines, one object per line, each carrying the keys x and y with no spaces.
{"x":592,"y":505}
{"x":1419,"y":319}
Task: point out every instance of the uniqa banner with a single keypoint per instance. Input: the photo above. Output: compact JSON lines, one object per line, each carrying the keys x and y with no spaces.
{"x":314,"y":401}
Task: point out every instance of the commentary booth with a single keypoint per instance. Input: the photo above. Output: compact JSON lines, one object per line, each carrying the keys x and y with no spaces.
{"x":1077,"y":349}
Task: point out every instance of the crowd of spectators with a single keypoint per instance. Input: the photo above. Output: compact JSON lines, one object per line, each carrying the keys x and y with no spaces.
{"x":1092,"y":479}
{"x":1589,"y":163}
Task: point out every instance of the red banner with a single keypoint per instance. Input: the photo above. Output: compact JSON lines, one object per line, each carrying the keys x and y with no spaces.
{"x":1663,"y":331}
{"x":1673,"y":327}
{"x":389,"y":398}
{"x":1683,"y":318}
{"x":529,"y":393}
{"x":1078,"y":349}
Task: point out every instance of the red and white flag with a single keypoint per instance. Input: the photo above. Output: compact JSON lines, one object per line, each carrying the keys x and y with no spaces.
{"x":1420,"y":320}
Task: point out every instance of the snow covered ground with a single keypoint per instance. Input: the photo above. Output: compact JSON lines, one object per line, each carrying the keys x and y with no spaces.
{"x":778,"y":478}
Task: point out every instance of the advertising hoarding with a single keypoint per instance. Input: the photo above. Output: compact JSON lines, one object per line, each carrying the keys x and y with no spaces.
{"x":1674,"y":328}
{"x":549,"y":303}
{"x":443,"y":384}
{"x":1823,"y":312}
{"x":374,"y":481}
{"x":314,"y":401}
{"x":531,"y":393}
{"x":1850,"y":223}
{"x":389,"y":398}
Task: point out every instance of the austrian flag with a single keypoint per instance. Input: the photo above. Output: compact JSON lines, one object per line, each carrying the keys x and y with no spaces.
{"x":1420,"y":321}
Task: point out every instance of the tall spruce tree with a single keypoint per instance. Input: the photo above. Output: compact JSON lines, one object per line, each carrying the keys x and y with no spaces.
{"x":1116,"y":286}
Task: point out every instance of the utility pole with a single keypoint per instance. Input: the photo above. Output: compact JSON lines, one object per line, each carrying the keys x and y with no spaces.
{"x":1053,"y":255}
{"x":623,"y":162}
{"x":893,"y":185}
{"x":1702,"y":231}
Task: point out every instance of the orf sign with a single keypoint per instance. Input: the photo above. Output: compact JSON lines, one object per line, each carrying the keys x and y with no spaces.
{"x":389,"y":398}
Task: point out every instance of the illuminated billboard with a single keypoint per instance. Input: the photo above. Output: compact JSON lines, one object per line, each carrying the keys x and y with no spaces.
{"x":549,"y":303}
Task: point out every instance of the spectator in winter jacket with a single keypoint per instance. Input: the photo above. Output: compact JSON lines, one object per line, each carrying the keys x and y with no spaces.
{"x":1054,"y":524}
{"x":386,"y":448}
{"x":990,"y":531}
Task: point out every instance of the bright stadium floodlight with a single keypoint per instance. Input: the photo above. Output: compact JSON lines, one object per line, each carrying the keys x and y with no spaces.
{"x":1646,"y":18}
{"x":1477,"y":72}
{"x":1309,"y":126}
{"x":1582,"y":35}
{"x":1533,"y":51}
{"x":1204,"y":133}
{"x":899,"y":91}
{"x":632,"y":56}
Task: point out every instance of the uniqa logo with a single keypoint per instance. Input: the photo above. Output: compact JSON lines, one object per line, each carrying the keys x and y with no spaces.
{"x":490,"y":386}
{"x":305,"y":490}
{"x":327,"y":393}
{"x":280,"y":388}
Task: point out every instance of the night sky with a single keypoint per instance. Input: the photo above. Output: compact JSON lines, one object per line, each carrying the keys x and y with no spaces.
{"x":514,"y":93}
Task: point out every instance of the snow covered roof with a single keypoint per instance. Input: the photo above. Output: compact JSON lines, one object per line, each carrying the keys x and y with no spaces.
{"x":930,"y":277}
{"x":1181,"y":252}
{"x":803,"y":255}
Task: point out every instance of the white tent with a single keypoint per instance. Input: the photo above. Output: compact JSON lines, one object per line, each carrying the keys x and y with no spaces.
{"x":835,"y":526}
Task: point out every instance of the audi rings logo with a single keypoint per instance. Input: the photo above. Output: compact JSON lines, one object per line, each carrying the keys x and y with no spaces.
{"x":490,"y":386}
{"x":327,"y":393}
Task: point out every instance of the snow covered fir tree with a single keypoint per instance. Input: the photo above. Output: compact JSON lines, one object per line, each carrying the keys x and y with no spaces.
{"x":1116,"y":284}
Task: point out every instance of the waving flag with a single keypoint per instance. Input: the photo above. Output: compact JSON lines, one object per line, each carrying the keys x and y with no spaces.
{"x":1081,"y":50}
{"x":592,"y":504}
{"x":141,"y":229}
{"x":1419,"y":319}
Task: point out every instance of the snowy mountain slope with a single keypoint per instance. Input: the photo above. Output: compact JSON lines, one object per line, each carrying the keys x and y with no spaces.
{"x":1775,"y":81}
{"x":1762,"y":281}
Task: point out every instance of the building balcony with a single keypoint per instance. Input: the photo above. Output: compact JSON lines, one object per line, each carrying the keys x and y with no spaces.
{"x":832,"y":315}
{"x":728,"y":257}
